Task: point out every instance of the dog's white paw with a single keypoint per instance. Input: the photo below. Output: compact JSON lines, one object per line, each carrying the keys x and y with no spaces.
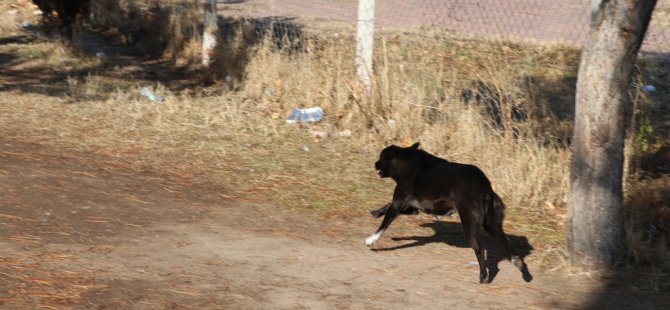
{"x":370,"y":241}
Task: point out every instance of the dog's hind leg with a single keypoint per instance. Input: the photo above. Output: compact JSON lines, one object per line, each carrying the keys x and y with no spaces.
{"x":407,"y":210}
{"x":496,"y":231}
{"x":471,"y":230}
{"x":391,"y":214}
{"x":493,"y":222}
{"x":494,"y":226}
{"x":381,"y":211}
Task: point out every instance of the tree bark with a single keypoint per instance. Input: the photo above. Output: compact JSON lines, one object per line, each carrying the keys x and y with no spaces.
{"x":209,"y":32}
{"x":595,"y":228}
{"x":365,"y":41}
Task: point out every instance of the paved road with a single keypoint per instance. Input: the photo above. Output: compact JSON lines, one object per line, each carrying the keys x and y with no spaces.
{"x":544,"y":20}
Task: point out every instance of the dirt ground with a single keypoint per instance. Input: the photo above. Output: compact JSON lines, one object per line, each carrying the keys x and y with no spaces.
{"x":83,"y":231}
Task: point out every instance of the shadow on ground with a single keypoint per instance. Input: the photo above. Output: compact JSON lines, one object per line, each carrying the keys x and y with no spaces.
{"x":641,"y":281}
{"x":626,"y":290}
{"x":452,"y":234}
{"x":28,"y":69}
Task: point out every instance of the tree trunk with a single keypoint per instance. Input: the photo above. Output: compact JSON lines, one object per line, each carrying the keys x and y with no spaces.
{"x":365,"y":41}
{"x":209,"y":32}
{"x":595,"y":215}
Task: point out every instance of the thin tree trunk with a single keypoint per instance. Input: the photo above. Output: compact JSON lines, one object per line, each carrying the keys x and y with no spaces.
{"x":595,"y":215}
{"x":209,"y":32}
{"x":365,"y":41}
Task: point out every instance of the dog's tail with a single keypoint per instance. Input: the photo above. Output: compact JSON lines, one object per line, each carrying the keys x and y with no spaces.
{"x":494,"y":209}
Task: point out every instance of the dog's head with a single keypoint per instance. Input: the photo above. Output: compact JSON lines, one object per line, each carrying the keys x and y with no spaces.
{"x":388,"y":165}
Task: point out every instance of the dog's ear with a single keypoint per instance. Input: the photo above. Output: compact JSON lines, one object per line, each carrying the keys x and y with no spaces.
{"x":415,"y":145}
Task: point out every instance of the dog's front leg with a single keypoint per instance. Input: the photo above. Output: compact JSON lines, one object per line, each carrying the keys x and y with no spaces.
{"x":391,"y":214}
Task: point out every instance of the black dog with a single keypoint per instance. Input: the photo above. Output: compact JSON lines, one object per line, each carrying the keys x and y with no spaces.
{"x":426,"y":183}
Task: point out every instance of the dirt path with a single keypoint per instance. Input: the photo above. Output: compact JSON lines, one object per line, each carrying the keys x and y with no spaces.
{"x":79,"y":231}
{"x":84,"y":231}
{"x":147,"y":240}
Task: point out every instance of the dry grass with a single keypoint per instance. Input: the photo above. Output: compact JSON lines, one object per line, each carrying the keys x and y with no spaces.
{"x":157,"y":28}
{"x":27,"y":283}
{"x":412,"y":101}
{"x":661,"y":17}
{"x":418,"y":96}
{"x":503,"y":106}
{"x":648,"y":227}
{"x":14,"y":14}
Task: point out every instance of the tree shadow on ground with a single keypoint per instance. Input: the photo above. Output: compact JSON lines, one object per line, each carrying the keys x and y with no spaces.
{"x":105,"y":54}
{"x":25,"y":75}
{"x":641,"y":281}
{"x":452,"y":234}
{"x":241,"y":36}
{"x":32,"y":69}
{"x":627,"y":290}
{"x":552,"y":109}
{"x":546,"y":104}
{"x":18,"y":39}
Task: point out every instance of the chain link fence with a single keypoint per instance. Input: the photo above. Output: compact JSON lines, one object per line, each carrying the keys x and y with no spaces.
{"x":565,"y":21}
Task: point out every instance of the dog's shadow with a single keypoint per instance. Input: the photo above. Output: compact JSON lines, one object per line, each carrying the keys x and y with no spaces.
{"x":451,"y":233}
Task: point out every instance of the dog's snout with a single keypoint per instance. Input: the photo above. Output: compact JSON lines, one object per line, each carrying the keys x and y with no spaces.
{"x":380,"y":166}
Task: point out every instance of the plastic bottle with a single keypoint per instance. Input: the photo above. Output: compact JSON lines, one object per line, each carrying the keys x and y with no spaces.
{"x":305,"y":115}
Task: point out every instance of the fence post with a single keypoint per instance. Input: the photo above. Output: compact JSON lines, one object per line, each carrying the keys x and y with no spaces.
{"x":209,"y":32}
{"x":364,"y":41}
